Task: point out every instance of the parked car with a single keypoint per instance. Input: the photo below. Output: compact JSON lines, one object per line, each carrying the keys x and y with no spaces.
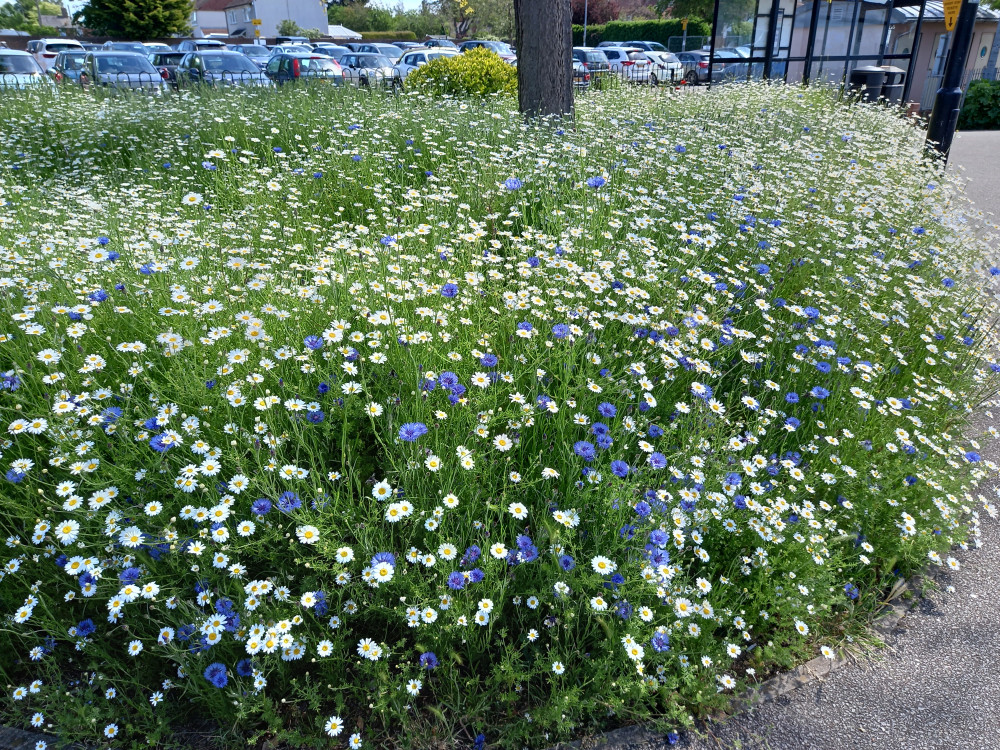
{"x":407,"y":45}
{"x":67,"y":67}
{"x":45,"y":50}
{"x":695,"y":63}
{"x":225,"y":68}
{"x":287,"y":67}
{"x":19,"y":70}
{"x":368,"y":70}
{"x":594,"y":59}
{"x":126,"y":47}
{"x":739,"y":52}
{"x":628,"y":62}
{"x":291,"y":49}
{"x":291,"y":40}
{"x":120,"y":71}
{"x":441,"y":43}
{"x":414,"y":58}
{"x":504,"y":50}
{"x":581,"y":76}
{"x":156,"y":47}
{"x":664,"y":68}
{"x":166,"y":63}
{"x":336,"y":51}
{"x":258,"y":54}
{"x":197,"y":45}
{"x":646,"y":46}
{"x":390,"y":51}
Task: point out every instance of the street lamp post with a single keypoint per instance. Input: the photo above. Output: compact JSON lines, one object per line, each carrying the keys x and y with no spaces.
{"x":584,"y":23}
{"x":948,"y":101}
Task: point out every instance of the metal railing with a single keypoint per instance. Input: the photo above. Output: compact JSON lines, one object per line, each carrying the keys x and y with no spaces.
{"x":933,"y":83}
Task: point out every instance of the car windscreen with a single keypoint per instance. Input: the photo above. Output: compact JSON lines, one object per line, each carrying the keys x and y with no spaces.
{"x":436,"y":55}
{"x":73,"y":62}
{"x":499,"y":47}
{"x":595,"y":58}
{"x":389,"y":50}
{"x":255,"y":50}
{"x":126,"y":64}
{"x":168,"y":58}
{"x":228,"y":64}
{"x":373,"y":61}
{"x":58,"y":47}
{"x":17,"y":64}
{"x":296,"y":49}
{"x":127,"y":47}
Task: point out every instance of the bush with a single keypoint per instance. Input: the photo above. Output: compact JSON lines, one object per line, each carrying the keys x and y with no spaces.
{"x":479,"y":72}
{"x":388,"y":36}
{"x":404,"y":418}
{"x":647,"y":31}
{"x":981,"y":109}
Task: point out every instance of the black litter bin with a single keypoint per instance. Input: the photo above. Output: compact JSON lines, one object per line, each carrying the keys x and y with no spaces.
{"x":871,"y":78}
{"x":892,"y":89}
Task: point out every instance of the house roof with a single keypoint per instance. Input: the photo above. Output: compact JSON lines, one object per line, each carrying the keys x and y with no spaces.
{"x":212,"y":4}
{"x":238,"y":3}
{"x":341,"y":32}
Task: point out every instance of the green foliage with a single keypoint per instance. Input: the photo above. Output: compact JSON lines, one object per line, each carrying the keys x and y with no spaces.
{"x":648,"y":31}
{"x":388,"y":36}
{"x":137,"y":19}
{"x":981,"y":109}
{"x":477,"y":73}
{"x":288,"y":27}
{"x":23,"y":16}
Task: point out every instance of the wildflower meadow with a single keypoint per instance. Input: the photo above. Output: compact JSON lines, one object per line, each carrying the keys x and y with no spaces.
{"x":330,"y":418}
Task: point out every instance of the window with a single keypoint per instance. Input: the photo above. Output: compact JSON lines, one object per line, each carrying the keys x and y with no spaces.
{"x":246,"y":14}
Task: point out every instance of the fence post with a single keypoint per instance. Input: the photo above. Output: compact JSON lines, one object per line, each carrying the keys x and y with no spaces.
{"x":948,"y":102}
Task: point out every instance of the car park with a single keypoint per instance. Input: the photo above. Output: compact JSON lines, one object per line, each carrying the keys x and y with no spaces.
{"x":581,"y":76}
{"x":67,"y":66}
{"x":258,"y":54}
{"x":336,"y":51}
{"x":414,"y":58}
{"x":696,"y":63}
{"x":289,"y":39}
{"x":126,"y":47}
{"x":45,"y":50}
{"x":225,"y":68}
{"x":19,"y":70}
{"x":367,"y":70}
{"x":286,"y":67}
{"x":447,"y":43}
{"x":645,"y":46}
{"x":166,"y":63}
{"x":502,"y":49}
{"x":120,"y":71}
{"x":156,"y":47}
{"x":390,"y":51}
{"x":196,"y":45}
{"x":291,"y":49}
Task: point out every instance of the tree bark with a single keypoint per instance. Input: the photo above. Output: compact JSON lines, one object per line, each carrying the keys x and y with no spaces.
{"x":544,"y":40}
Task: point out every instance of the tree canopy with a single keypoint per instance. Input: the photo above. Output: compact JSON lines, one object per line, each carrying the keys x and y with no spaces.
{"x":137,"y":19}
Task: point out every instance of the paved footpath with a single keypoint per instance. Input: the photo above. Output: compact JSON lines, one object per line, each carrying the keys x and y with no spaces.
{"x":937,"y":684}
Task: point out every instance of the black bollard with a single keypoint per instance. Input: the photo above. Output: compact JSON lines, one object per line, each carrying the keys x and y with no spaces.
{"x":948,"y":101}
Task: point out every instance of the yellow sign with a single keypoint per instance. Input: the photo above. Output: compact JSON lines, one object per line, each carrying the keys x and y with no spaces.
{"x":684,"y":24}
{"x":951,"y":8}
{"x":256,"y":32}
{"x":255,"y":21}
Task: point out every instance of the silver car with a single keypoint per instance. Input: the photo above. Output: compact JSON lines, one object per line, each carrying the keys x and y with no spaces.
{"x":18,"y":70}
{"x":120,"y":71}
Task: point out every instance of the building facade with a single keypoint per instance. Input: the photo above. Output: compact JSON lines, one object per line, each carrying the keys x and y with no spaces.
{"x":308,"y":14}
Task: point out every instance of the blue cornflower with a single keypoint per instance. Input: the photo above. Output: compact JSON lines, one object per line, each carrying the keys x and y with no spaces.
{"x":158,"y":444}
{"x":449,"y":290}
{"x":489,"y":360}
{"x":86,"y":628}
{"x":388,"y":240}
{"x":512,"y":183}
{"x":972,"y":457}
{"x":642,"y":509}
{"x":823,"y":367}
{"x":215,"y":673}
{"x":428,"y":660}
{"x":456,"y":581}
{"x":567,"y":563}
{"x":288,"y":502}
{"x":560,"y":330}
{"x":818,"y":392}
{"x":948,"y":283}
{"x":596,"y":182}
{"x":851,"y":591}
{"x":680,"y":149}
{"x":244,"y":668}
{"x":584,"y":450}
{"x":313,"y":342}
{"x":792,"y":422}
{"x":657,"y":460}
{"x":660,"y":642}
{"x":356,"y":157}
{"x":619,"y":469}
{"x":315,"y":417}
{"x":411,"y":431}
{"x":606,"y":410}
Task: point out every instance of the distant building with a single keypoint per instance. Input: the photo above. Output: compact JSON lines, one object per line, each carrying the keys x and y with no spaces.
{"x":308,"y":14}
{"x":209,"y":17}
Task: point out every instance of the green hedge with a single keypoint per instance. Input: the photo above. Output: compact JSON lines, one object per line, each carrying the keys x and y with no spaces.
{"x":390,"y":36}
{"x":981,"y":110}
{"x":648,"y":31}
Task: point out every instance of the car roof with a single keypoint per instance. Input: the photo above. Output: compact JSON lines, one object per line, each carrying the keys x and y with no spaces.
{"x":59,"y":40}
{"x":114,"y":53}
{"x":14,"y":53}
{"x":623,"y":48}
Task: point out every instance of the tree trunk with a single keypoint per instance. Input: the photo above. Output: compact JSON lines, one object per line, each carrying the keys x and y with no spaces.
{"x":544,"y":56}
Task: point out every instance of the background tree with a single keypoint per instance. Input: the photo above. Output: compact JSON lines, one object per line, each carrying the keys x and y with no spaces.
{"x":544,"y":56}
{"x":22,"y":15}
{"x":598,"y":11}
{"x":137,"y":19}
